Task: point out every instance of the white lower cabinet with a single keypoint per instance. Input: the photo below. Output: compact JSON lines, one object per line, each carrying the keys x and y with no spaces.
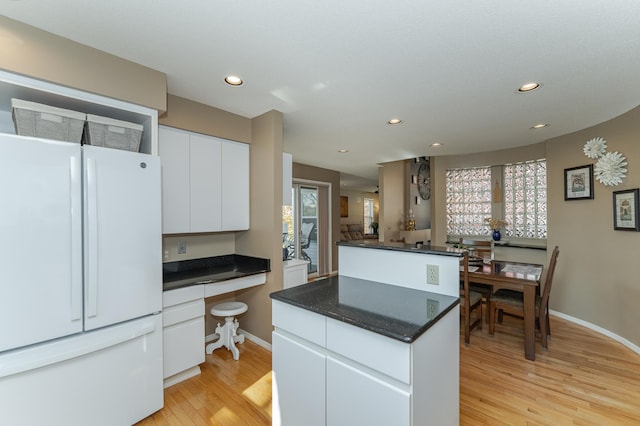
{"x":299,"y":378}
{"x":355,"y":397}
{"x":326,"y":372}
{"x":183,"y":333}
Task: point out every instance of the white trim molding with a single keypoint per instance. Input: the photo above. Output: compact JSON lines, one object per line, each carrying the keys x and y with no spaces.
{"x":599,"y":329}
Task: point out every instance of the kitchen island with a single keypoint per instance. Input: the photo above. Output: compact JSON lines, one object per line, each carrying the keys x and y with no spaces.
{"x":354,"y":351}
{"x":405,"y":265}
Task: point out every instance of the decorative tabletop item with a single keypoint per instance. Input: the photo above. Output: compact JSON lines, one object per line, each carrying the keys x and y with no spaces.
{"x":595,"y":148}
{"x":495,"y":225}
{"x":611,"y":169}
{"x":411,"y":221}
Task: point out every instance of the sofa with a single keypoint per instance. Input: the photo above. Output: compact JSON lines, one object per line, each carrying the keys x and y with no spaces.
{"x":355,"y":231}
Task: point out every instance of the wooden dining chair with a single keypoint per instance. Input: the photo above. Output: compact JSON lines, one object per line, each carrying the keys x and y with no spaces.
{"x":480,"y":248}
{"x":470,"y":301}
{"x":484,"y":249}
{"x":511,"y":302}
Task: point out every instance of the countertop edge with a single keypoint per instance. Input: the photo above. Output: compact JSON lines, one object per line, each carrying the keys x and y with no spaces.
{"x":409,"y":248}
{"x":281,"y":296}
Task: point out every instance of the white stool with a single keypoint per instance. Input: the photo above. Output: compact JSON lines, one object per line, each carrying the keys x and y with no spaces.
{"x":227,"y":333}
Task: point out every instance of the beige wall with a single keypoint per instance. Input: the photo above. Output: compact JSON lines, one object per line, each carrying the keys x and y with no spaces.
{"x":30,"y":51}
{"x":596,"y":276}
{"x":200,"y":118}
{"x":302,"y":171}
{"x":264,"y":239}
{"x":392,"y":181}
{"x":595,"y":280}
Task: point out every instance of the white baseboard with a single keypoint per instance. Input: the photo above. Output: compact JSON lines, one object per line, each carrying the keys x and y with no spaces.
{"x":255,"y":339}
{"x":183,"y":375}
{"x":599,"y":329}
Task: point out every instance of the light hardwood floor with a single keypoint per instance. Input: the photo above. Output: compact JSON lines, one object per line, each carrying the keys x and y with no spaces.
{"x":584,"y":378}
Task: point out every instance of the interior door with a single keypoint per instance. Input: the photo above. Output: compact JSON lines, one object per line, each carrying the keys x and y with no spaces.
{"x":40,"y":224}
{"x":123,"y":269}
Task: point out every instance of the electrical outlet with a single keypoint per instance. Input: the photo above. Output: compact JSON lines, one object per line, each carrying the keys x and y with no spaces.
{"x":433,"y":274}
{"x":182,"y":247}
{"x":433,"y":306}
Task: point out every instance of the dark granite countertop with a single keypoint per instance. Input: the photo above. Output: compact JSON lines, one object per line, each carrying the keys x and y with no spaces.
{"x":208,"y":270}
{"x":413,"y":248}
{"x":397,"y":312}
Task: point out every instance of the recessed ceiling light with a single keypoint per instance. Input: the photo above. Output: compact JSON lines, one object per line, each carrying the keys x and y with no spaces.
{"x":436,"y":145}
{"x":343,"y":151}
{"x":394,"y":121}
{"x":233,"y":80}
{"x":528,"y":87}
{"x":539,"y":126}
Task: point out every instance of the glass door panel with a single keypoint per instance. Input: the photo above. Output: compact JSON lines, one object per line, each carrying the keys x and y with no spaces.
{"x":300,"y":227}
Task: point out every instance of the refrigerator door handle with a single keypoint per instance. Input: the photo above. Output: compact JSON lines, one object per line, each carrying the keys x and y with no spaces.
{"x":75,"y":184}
{"x":92,"y":222}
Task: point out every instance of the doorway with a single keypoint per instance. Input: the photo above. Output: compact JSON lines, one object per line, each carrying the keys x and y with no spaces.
{"x":305,"y":226}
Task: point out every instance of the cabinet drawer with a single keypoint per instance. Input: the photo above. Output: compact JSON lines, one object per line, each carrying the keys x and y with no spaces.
{"x":183,"y":346}
{"x":181,"y":295}
{"x":370,"y":349}
{"x":306,"y":324}
{"x":183,"y":312}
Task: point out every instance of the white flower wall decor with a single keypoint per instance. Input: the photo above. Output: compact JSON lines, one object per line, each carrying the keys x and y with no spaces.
{"x":595,"y":148}
{"x":611,"y":168}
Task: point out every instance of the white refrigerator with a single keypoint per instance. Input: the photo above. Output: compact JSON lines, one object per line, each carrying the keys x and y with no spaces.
{"x":80,"y":284}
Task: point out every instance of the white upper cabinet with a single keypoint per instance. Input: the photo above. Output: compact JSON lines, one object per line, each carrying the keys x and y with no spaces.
{"x":235,"y":186}
{"x":205,"y":183}
{"x":174,"y":156}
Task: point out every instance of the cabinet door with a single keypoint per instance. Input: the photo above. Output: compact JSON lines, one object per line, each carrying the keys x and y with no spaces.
{"x":298,"y":384}
{"x":206,"y":181}
{"x":235,"y":186}
{"x":174,"y":153}
{"x":357,"y":398}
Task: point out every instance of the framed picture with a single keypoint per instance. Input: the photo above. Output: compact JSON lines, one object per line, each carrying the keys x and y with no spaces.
{"x":344,"y":206}
{"x":578,"y":183}
{"x":625,"y":210}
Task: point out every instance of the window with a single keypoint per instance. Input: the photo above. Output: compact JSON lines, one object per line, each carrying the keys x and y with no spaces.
{"x":468,"y":200}
{"x":368,"y":215}
{"x":525,"y":199}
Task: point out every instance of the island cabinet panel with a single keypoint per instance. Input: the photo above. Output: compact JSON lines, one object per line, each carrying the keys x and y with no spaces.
{"x":300,"y":322}
{"x":355,"y":397}
{"x":300,"y":379}
{"x":370,"y":349}
{"x":205,"y":183}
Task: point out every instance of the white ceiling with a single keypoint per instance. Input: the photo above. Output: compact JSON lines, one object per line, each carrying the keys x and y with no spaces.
{"x":338,"y":70}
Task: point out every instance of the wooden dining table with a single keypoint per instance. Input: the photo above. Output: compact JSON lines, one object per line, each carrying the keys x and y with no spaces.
{"x":522,"y":277}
